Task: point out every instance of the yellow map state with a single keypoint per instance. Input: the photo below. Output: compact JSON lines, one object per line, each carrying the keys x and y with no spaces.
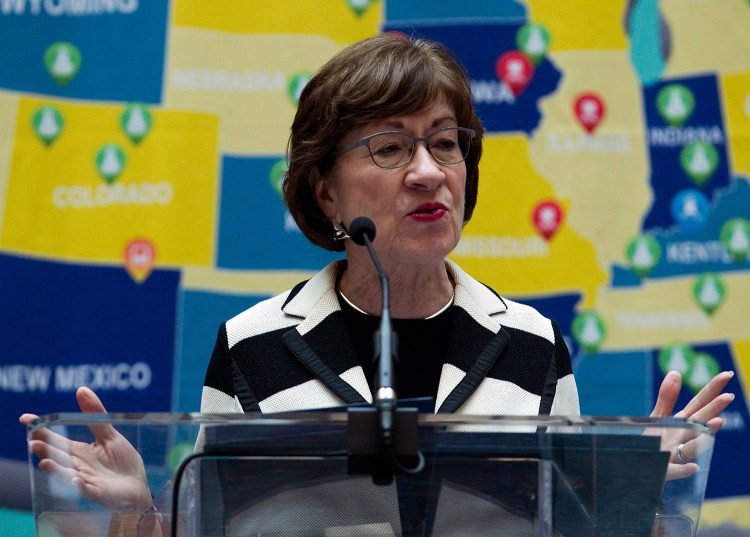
{"x":244,"y":79}
{"x":605,"y":174}
{"x":716,"y":512}
{"x":581,"y":24}
{"x":501,"y":246}
{"x":736,"y":100}
{"x":8,"y":105}
{"x":661,"y":311}
{"x":707,"y":36}
{"x":333,"y":18}
{"x":245,"y":282}
{"x":58,"y":204}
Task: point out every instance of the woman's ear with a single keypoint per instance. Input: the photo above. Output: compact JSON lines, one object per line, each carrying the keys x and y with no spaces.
{"x":325,"y":195}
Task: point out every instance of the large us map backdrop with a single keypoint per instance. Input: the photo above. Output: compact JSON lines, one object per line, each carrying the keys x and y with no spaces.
{"x":142,"y":149}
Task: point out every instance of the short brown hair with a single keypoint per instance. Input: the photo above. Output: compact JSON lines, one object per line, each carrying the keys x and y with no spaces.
{"x":380,"y":77}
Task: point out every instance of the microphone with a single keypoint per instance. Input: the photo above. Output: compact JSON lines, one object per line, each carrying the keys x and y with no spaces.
{"x":362,"y":231}
{"x":361,"y":228}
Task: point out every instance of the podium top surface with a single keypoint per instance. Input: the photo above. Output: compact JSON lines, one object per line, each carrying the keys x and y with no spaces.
{"x":574,"y":424}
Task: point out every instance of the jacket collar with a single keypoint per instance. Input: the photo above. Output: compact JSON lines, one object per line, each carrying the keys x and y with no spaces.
{"x":317,"y":293}
{"x":316,"y":300}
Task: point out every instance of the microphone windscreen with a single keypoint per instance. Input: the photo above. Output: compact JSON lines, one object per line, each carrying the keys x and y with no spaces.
{"x":360,"y":228}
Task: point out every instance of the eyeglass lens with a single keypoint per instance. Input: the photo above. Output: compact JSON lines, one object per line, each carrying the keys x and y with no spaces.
{"x":394,"y":149}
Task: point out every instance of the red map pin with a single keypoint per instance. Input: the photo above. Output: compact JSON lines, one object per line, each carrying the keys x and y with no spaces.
{"x":547,"y":217}
{"x":515,"y":69}
{"x":139,"y":256}
{"x":589,"y":109}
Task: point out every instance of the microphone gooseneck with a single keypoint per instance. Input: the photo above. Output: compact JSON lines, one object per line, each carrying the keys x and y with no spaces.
{"x":362,"y":231}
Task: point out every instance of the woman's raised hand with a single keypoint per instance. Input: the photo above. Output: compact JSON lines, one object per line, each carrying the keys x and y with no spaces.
{"x":706,"y":407}
{"x":108,"y":470}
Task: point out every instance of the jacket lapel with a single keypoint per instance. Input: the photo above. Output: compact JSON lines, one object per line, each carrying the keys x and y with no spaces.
{"x":321,"y":341}
{"x":476,"y":320}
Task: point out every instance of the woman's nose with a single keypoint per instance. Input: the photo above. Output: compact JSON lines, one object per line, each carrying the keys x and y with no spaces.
{"x":423,"y":171}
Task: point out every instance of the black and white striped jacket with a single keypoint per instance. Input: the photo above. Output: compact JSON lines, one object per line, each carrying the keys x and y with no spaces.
{"x":293,"y":352}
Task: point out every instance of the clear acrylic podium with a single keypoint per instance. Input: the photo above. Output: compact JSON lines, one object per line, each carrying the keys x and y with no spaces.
{"x":308,"y":474}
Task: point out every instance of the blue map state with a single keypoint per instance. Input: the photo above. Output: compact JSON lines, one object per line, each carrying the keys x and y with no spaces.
{"x":56,"y":315}
{"x":730,"y":449}
{"x":615,"y":383}
{"x":667,"y":175}
{"x":109,"y":71}
{"x":420,"y":11}
{"x":201,"y":314}
{"x":478,"y":47}
{"x":697,"y":251}
{"x":256,"y":231}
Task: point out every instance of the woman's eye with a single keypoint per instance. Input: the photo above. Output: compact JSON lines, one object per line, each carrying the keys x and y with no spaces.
{"x":444,"y":145}
{"x":390,"y":148}
{"x":388,"y":144}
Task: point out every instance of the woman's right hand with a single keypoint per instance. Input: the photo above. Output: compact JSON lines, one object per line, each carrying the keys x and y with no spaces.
{"x":108,"y":471}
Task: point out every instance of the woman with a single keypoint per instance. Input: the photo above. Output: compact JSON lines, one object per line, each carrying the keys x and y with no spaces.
{"x":387,"y":130}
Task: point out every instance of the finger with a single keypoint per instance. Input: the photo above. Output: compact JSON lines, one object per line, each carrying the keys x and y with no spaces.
{"x":49,"y":437}
{"x":681,"y":471}
{"x":714,"y":408}
{"x":668,"y":393}
{"x":695,"y":448}
{"x":708,"y":393}
{"x":59,"y":473}
{"x":90,"y":403}
{"x":46,"y":451}
{"x":26,"y":419}
{"x":716,"y":423}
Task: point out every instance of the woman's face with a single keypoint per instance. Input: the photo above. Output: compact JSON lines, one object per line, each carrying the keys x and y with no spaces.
{"x":418,"y":209}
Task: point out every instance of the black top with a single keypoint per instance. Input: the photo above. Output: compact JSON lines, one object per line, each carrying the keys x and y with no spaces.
{"x":422,"y":345}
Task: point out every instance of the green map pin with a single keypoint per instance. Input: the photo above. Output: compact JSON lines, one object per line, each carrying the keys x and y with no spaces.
{"x":62,"y":61}
{"x":699,"y":160}
{"x":676,"y":357}
{"x":675,"y":103}
{"x":705,"y":367}
{"x":589,"y":331}
{"x":735,"y":235}
{"x":47,"y":122}
{"x":533,"y":40}
{"x":276,"y":176}
{"x":296,"y":84}
{"x":110,"y":161}
{"x":359,"y":6}
{"x":643,"y":253}
{"x":709,"y":292}
{"x":136,"y":121}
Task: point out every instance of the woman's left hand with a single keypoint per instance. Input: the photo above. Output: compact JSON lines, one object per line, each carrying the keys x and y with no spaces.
{"x":706,"y":407}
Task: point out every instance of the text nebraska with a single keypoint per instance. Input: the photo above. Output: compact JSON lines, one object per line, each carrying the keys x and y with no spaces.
{"x":196,"y":79}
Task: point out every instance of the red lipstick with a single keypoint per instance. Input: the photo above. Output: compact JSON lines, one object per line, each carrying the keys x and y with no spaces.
{"x":428,"y":212}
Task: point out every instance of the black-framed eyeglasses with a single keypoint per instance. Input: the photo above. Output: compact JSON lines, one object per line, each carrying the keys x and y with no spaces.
{"x":394,"y":149}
